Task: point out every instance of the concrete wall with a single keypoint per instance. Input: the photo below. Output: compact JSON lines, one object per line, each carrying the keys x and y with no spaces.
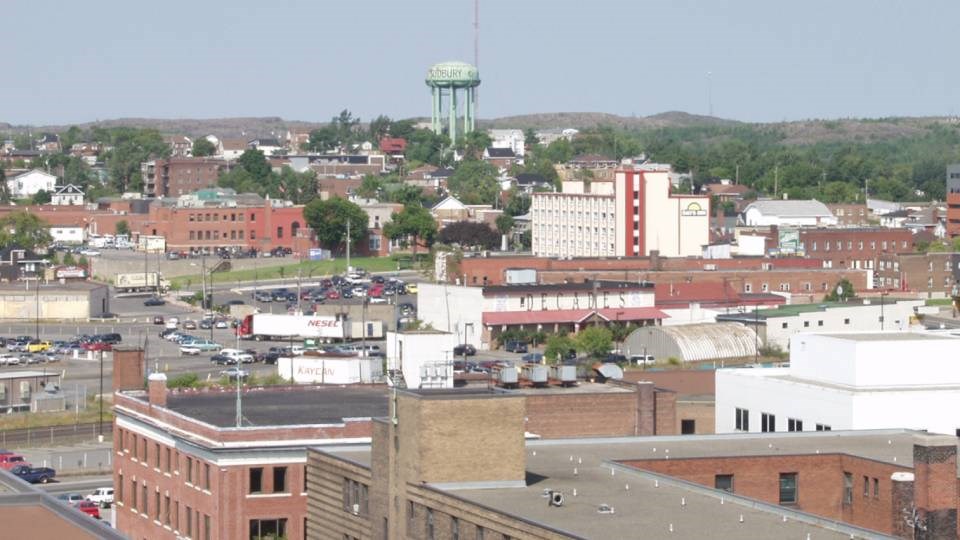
{"x":453,"y":309}
{"x":856,"y":318}
{"x":425,"y":357}
{"x":69,"y":304}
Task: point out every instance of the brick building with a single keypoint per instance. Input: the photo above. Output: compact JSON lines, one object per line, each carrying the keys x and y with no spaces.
{"x":933,"y":272}
{"x":183,"y":469}
{"x":953,"y":200}
{"x":850,"y":215}
{"x":177,"y":176}
{"x":856,"y":248}
{"x":423,"y":478}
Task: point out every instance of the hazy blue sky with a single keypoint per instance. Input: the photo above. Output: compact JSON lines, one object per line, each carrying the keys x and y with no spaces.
{"x":307,"y":59}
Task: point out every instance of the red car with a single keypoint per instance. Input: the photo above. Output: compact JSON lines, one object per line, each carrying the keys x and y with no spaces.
{"x":90,"y":508}
{"x":333,"y":295}
{"x":97,"y":346}
{"x":376,"y":291}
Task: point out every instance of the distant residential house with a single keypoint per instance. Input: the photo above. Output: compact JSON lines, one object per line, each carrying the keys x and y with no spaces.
{"x":30,"y":183}
{"x":378,"y":215}
{"x":450,"y":210}
{"x":88,"y":152}
{"x":17,"y":263}
{"x":726,"y":191}
{"x":513,"y":139}
{"x":795,"y":213}
{"x":930,"y":219}
{"x":393,"y":146}
{"x":501,"y":158}
{"x":895,"y":219}
{"x":268,"y":145}
{"x":592,"y":161}
{"x":180,"y":146}
{"x":528,"y":182}
{"x":68,"y":195}
{"x":296,"y":140}
{"x":48,"y":143}
{"x":879,"y":207}
{"x":231,"y":148}
{"x":68,"y":234}
{"x":25,"y":156}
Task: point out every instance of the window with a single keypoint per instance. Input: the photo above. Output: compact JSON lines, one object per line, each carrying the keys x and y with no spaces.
{"x":430,"y":531}
{"x":256,"y":480}
{"x":866,"y":486}
{"x":206,"y":476}
{"x":742,"y":420}
{"x":764,"y":287}
{"x":819,"y":323}
{"x":176,"y":515}
{"x":794,"y":425}
{"x":688,"y":426}
{"x":156,"y":505}
{"x":410,"y":514}
{"x":847,"y":488}
{"x":279,"y":479}
{"x":355,"y":498}
{"x":748,"y":287}
{"x":846,"y":321}
{"x":120,"y":488}
{"x":143,"y":498}
{"x":279,"y":232}
{"x":374,"y":242}
{"x":156,"y":455}
{"x":189,"y":470}
{"x":253,"y":217}
{"x":189,"y":517}
{"x":723,"y":482}
{"x":876,"y":488}
{"x":454,"y":528}
{"x":788,"y":488}
{"x":823,"y":427}
{"x":206,"y":527}
{"x":166,"y":510}
{"x":806,"y":324}
{"x":768,"y":422}
{"x":133,"y":495}
{"x":783,"y":325}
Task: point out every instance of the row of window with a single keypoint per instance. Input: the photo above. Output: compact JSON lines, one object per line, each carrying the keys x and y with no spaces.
{"x":789,"y":493}
{"x":867,"y":483}
{"x":785,"y":286}
{"x":195,"y":472}
{"x":806,"y":324}
{"x":768,"y":422}
{"x":234,"y":216}
{"x":429,"y":526}
{"x":234,"y":235}
{"x":191,"y":523}
{"x":256,"y":478}
{"x":873,"y":245}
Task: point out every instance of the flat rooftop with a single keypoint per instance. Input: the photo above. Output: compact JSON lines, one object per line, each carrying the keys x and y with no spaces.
{"x":887,"y":336}
{"x":284,"y":406}
{"x":25,"y":374}
{"x":653,"y":502}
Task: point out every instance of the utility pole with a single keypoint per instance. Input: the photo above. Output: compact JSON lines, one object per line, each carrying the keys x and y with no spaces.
{"x":348,"y":244}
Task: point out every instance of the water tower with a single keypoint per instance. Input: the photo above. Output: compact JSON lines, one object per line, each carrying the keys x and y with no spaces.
{"x":449,"y":79}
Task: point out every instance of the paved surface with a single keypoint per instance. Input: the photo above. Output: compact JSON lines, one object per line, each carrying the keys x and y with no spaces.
{"x":85,"y":458}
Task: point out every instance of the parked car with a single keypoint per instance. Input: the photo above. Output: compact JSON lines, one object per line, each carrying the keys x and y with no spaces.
{"x":238,"y":356}
{"x":233,"y":373}
{"x":222,"y":360}
{"x":464,"y":350}
{"x":533,"y":358}
{"x":615,"y":358}
{"x":198,"y":346}
{"x":89,"y":508}
{"x":11,"y":460}
{"x":102,"y":496}
{"x":34,"y":475}
{"x":262,"y":296}
{"x":37,"y":346}
{"x":410,"y":288}
{"x":154,"y":301}
{"x":206,"y":324}
{"x":158,"y":319}
{"x":642,"y":359}
{"x":70,"y":498}
{"x":190,"y":325}
{"x":222,"y":323}
{"x":516,"y":346}
{"x":97,"y":346}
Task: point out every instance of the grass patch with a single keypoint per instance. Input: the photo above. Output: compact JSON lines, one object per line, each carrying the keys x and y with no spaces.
{"x":308,"y":269}
{"x":63,"y":418}
{"x":939,"y":302}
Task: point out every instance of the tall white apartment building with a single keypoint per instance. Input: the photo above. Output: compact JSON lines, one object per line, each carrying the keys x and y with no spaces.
{"x":635,"y":214}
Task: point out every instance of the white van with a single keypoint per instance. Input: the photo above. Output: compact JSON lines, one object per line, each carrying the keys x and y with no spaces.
{"x":642,"y":359}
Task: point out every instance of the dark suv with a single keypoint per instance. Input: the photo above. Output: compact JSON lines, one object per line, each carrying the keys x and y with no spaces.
{"x":516,"y":346}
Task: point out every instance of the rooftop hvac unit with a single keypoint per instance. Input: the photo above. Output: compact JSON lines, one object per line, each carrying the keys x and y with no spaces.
{"x":536,"y":374}
{"x":566,"y":374}
{"x":507,"y":375}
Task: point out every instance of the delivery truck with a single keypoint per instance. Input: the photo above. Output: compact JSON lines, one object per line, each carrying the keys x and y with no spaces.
{"x":267,"y":326}
{"x":141,"y":282}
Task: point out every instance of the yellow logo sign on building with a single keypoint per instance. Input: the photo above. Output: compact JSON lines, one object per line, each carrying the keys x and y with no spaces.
{"x":693,"y":209}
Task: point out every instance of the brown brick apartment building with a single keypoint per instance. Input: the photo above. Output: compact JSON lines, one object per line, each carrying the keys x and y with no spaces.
{"x":935,"y":272}
{"x":423,"y":478}
{"x":177,"y":176}
{"x":854,"y":248}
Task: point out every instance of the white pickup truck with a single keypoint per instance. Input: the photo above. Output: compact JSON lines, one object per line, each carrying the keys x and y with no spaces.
{"x":102,"y":496}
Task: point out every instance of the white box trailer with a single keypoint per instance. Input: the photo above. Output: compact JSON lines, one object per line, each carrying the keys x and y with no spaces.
{"x":140,"y":281}
{"x":266,"y":326}
{"x":330,"y":370}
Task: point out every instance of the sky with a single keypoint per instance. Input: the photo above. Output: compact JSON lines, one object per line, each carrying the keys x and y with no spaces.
{"x":749,"y":60}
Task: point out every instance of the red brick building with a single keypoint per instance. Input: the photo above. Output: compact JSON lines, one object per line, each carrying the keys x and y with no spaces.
{"x":934,"y":272}
{"x":177,"y":176}
{"x":854,"y":248}
{"x":850,"y":215}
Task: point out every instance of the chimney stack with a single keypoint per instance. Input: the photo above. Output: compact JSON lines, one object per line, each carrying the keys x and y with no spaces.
{"x":157,"y":389}
{"x":935,"y":485}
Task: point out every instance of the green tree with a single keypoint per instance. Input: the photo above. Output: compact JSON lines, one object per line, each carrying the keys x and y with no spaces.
{"x":370,"y":187}
{"x":412,"y":221}
{"x":504,"y":223}
{"x":24,"y":230}
{"x":530,"y":138}
{"x":322,"y":139}
{"x":380,"y":127}
{"x":41,"y":197}
{"x":329,"y":218}
{"x":129,"y":148}
{"x":425,"y":146}
{"x":69,"y":260}
{"x":123,"y":228}
{"x":474,"y":143}
{"x":255,"y":163}
{"x":842,"y":292}
{"x":474,"y":182}
{"x":595,"y":341}
{"x":518,"y":203}
{"x":4,"y":187}
{"x":469,"y":235}
{"x":558,"y":345}
{"x":203,"y":147}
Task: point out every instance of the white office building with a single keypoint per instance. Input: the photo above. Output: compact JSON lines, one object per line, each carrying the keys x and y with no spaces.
{"x":847,"y":381}
{"x":424,"y":358}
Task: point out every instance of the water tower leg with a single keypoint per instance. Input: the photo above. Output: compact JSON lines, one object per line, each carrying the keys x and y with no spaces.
{"x":453,"y":115}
